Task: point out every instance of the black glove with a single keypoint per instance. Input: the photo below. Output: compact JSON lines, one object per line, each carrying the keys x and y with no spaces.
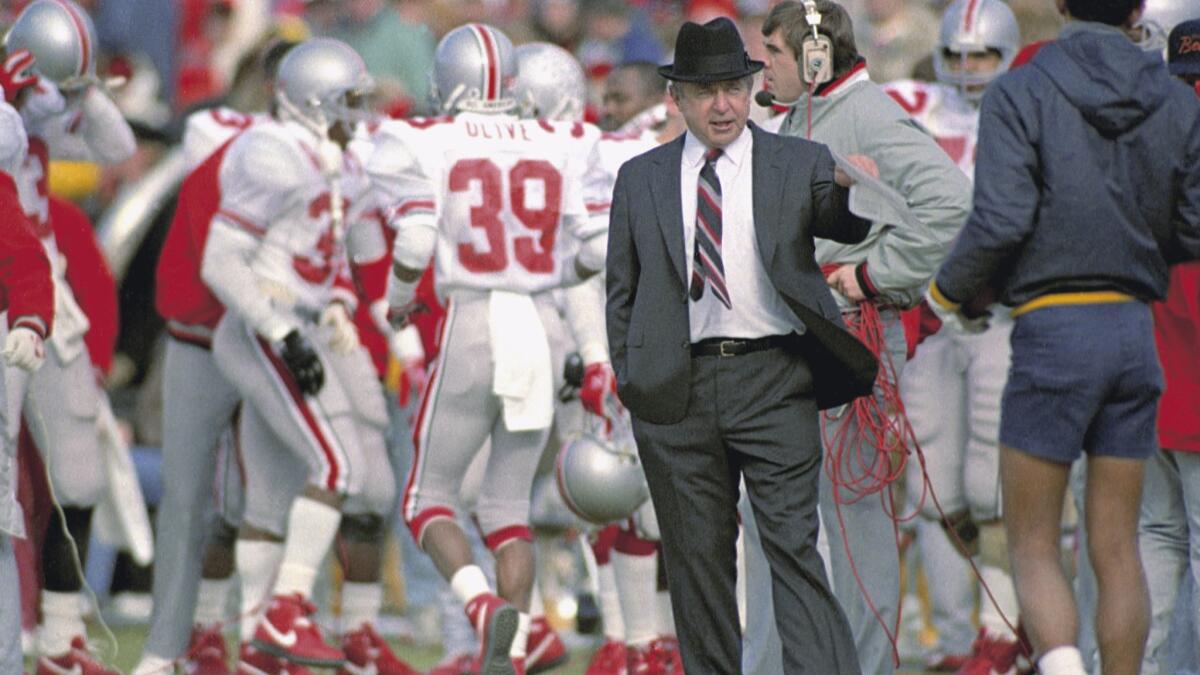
{"x":303,"y":363}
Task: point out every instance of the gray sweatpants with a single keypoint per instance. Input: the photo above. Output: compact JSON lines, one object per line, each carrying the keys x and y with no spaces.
{"x":871,"y":538}
{"x":198,"y":403}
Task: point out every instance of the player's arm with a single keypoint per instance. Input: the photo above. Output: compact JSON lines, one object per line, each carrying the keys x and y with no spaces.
{"x":97,"y":133}
{"x":585,"y":212}
{"x":24,"y":282}
{"x":256,"y":178}
{"x":408,"y":197}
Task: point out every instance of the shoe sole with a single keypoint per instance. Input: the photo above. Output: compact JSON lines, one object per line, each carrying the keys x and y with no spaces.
{"x":501,"y":631}
{"x":282,"y":653}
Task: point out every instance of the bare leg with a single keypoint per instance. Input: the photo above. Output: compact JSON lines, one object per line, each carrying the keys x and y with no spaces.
{"x":1033,"y":491}
{"x":1114,"y":495}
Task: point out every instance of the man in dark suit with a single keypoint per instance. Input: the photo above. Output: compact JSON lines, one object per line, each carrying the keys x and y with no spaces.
{"x":726,"y":341}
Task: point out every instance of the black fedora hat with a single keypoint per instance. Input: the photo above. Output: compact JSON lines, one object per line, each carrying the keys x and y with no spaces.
{"x":709,"y":53}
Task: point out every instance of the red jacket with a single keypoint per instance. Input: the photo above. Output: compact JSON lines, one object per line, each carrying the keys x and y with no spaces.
{"x":89,"y":278}
{"x":1177,"y":332}
{"x":180,"y":296}
{"x":26,"y":290}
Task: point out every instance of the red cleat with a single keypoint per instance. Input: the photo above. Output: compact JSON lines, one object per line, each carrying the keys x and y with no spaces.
{"x":666,"y":648}
{"x":645,"y":660}
{"x":367,"y":653}
{"x":609,"y":659}
{"x":993,"y":654}
{"x":77,"y":661}
{"x":495,"y":623}
{"x":456,"y":665}
{"x":545,"y":649}
{"x":288,"y":632}
{"x":206,"y":653}
{"x":254,"y":662}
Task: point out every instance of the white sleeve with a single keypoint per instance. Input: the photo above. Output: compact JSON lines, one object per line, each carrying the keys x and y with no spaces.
{"x":13,"y":142}
{"x":97,"y":132}
{"x":585,"y":315}
{"x":226,"y":270}
{"x":406,"y":194}
{"x":365,"y":241}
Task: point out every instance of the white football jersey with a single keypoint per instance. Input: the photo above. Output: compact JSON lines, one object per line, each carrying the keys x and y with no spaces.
{"x":207,"y":130}
{"x":618,"y":148}
{"x":507,"y":196}
{"x":272,"y":187}
{"x":952,"y":120}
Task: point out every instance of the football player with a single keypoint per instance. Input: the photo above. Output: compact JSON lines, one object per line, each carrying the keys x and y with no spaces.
{"x":499,"y":204}
{"x":67,"y":115}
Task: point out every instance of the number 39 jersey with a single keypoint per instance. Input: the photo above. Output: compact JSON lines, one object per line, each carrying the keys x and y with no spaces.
{"x":506,"y":195}
{"x":952,"y":120}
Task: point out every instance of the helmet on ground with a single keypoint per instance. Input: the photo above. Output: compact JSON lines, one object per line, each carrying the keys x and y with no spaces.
{"x":975,"y":26}
{"x":62,"y":39}
{"x":550,"y":83}
{"x":600,"y":482}
{"x":474,"y":68}
{"x":322,"y":81}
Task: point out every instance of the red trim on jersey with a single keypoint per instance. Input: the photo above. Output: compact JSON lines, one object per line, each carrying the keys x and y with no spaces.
{"x":422,"y":520}
{"x":827,"y":89}
{"x":85,"y":42}
{"x":404,"y":208}
{"x":310,"y":420}
{"x":243,"y":222}
{"x":598,"y":207}
{"x":504,"y":535}
{"x":491,"y":55}
{"x":969,"y":15}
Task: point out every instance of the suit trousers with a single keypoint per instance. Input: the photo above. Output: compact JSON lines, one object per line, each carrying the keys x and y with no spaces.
{"x":754,"y":417}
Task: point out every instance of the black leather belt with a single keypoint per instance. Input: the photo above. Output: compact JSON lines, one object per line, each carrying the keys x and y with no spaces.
{"x":737,"y":347}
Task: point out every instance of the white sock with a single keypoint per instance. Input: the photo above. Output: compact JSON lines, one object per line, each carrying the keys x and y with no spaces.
{"x":537,"y":607}
{"x":257,"y":564}
{"x":1001,"y":585}
{"x":666,"y":618}
{"x":62,"y":621}
{"x":1061,"y":661}
{"x":517,"y":651}
{"x":360,"y":604}
{"x":610,"y":603}
{"x":212,"y":600}
{"x":312,"y":527}
{"x":154,"y":665}
{"x":637,"y":584}
{"x":468,"y":582}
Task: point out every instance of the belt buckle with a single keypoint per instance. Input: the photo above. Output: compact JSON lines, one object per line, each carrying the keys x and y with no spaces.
{"x":727,"y":343}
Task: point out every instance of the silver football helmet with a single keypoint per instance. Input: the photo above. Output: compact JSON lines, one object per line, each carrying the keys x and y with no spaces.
{"x":975,"y":26}
{"x":1159,"y":18}
{"x":474,"y":68}
{"x":600,"y":481}
{"x":550,"y":83}
{"x":62,"y":39}
{"x":323,"y":81}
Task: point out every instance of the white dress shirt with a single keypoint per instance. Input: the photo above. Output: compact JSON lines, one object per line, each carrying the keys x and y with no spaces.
{"x":758,"y":308}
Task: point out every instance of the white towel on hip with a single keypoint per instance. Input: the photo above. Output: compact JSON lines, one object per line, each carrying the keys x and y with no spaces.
{"x":522,"y":375}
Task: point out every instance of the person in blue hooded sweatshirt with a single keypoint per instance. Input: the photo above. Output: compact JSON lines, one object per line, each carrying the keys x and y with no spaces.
{"x":1087,"y":186}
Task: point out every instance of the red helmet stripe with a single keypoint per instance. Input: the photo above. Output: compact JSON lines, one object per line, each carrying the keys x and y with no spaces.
{"x":85,"y":45}
{"x":491,"y":71}
{"x":969,"y":15}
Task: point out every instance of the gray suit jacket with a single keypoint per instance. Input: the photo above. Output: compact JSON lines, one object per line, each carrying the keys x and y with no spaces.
{"x":795,"y":199}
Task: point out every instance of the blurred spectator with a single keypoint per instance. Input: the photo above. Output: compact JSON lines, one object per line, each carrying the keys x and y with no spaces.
{"x":204,"y":24}
{"x":894,"y":35}
{"x":557,"y":21}
{"x":615,"y":33}
{"x":145,"y":27}
{"x":398,"y":54}
{"x":630,"y":89}
{"x":703,"y":11}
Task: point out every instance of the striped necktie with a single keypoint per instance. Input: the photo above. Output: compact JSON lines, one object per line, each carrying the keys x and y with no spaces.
{"x":706,"y":258}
